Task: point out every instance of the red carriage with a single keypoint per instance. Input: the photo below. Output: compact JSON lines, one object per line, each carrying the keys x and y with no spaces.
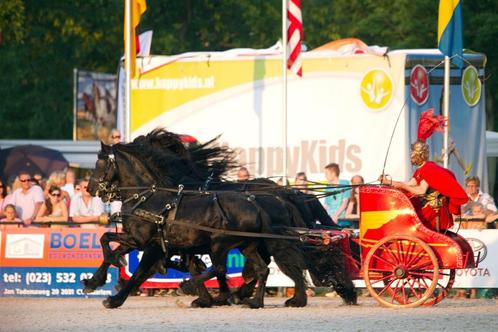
{"x":403,"y":262}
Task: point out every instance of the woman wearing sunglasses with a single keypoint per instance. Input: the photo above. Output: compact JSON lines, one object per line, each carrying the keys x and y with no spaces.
{"x":54,"y":208}
{"x":3,"y":200}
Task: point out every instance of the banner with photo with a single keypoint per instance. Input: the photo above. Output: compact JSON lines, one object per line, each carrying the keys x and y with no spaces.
{"x":95,"y":105}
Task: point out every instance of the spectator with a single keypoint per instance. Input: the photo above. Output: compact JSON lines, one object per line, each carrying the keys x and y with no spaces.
{"x":353,"y":209}
{"x":58,"y":179}
{"x":115,"y":137}
{"x":85,"y":208}
{"x":69,"y":185}
{"x":477,"y":211}
{"x":10,"y":216}
{"x":301,"y":182}
{"x":53,"y":209}
{"x":3,"y":198}
{"x":36,"y":179}
{"x":28,"y":199}
{"x":242,"y":174}
{"x":336,"y":203}
{"x":472,"y":188}
{"x":14,"y":185}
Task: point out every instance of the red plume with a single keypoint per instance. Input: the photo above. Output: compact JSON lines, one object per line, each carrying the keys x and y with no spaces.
{"x":429,"y":123}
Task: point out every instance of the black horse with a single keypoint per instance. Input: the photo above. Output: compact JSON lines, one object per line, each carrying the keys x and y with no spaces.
{"x":134,"y":165}
{"x":201,"y":165}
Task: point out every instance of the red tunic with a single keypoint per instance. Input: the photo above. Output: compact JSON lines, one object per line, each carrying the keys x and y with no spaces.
{"x":442,"y":180}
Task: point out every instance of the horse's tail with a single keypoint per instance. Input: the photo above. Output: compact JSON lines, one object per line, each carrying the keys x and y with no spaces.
{"x":328,"y":268}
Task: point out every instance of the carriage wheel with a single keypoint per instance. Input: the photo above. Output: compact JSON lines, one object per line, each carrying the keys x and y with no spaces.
{"x":401,"y":271}
{"x":444,"y":285}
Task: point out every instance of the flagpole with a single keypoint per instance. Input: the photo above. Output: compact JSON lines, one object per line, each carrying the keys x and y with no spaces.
{"x":446,"y":111}
{"x":284,"y":89}
{"x":128,"y":70}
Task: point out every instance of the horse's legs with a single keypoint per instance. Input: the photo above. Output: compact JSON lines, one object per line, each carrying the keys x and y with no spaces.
{"x":152,"y":254}
{"x":110,"y":256}
{"x":341,"y":278}
{"x":291,"y":262}
{"x":100,"y":276}
{"x":219,"y":253}
{"x":261,"y":272}
{"x":246,"y":290}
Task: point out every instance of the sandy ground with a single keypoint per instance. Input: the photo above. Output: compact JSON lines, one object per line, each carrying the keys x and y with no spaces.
{"x":171,"y":313}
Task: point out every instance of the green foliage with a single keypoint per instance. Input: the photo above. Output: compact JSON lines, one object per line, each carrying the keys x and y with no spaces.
{"x":41,"y":41}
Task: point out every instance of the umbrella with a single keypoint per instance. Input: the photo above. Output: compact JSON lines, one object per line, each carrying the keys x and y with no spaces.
{"x":31,"y":158}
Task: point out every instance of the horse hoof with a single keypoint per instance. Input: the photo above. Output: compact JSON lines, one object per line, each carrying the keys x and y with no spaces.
{"x":88,"y":287}
{"x":198,"y":303}
{"x":188,"y":288}
{"x":235,"y":299}
{"x":108,"y":303}
{"x":293,"y":302}
{"x":253,"y":303}
{"x":221,"y":300}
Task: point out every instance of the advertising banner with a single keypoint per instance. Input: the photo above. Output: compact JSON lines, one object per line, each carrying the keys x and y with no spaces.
{"x":345,"y":109}
{"x":235,"y":263}
{"x":51,"y":262}
{"x":485,"y":275}
{"x":95,"y":103}
{"x":484,"y":243}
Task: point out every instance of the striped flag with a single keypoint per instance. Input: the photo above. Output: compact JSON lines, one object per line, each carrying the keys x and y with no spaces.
{"x":294,"y":36}
{"x":138,"y":7}
{"x":450,"y":30}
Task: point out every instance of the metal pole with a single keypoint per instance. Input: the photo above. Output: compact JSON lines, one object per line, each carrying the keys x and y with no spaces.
{"x":284,"y":88}
{"x":128,"y":70}
{"x":75,"y":103}
{"x":446,"y":111}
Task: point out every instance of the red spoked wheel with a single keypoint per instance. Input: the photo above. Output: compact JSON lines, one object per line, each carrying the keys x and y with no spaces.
{"x":444,"y":285}
{"x":401,"y":271}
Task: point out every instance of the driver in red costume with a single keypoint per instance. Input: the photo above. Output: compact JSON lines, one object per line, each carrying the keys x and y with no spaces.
{"x":437,"y":195}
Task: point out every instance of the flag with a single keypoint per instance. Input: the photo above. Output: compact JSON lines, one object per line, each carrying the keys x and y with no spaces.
{"x":294,"y":36}
{"x":138,"y":7}
{"x":450,"y":30}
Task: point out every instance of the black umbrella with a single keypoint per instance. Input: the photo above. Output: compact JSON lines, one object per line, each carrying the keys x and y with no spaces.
{"x":31,"y":158}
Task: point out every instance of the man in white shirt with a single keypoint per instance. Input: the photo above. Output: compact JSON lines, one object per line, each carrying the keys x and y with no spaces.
{"x":472,"y":187}
{"x":85,"y":208}
{"x":28,"y":199}
{"x":69,"y":185}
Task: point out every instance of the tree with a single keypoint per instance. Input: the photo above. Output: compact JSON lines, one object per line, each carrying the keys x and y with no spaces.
{"x":41,"y":41}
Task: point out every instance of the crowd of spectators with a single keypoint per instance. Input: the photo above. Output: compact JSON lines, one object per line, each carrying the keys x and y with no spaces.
{"x":28,"y":199}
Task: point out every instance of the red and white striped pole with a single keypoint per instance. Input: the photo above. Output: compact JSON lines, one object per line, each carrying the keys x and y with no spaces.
{"x":292,"y":36}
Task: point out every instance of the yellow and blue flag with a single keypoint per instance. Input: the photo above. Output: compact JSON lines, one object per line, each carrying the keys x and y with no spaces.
{"x":450,"y":30}
{"x":138,"y":7}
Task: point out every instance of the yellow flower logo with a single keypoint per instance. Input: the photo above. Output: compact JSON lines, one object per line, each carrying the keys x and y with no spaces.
{"x":471,"y":86}
{"x":376,"y":89}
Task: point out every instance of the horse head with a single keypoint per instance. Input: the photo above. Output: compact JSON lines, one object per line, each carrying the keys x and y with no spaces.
{"x":103,"y":181}
{"x":131,"y":165}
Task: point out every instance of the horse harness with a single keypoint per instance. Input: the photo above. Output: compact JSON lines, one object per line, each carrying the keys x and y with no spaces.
{"x":166,"y":218}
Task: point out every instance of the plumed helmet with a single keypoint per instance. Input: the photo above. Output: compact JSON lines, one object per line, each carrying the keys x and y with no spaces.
{"x":427,"y":125}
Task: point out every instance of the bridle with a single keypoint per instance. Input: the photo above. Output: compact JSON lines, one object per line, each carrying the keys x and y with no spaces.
{"x":108,"y":189}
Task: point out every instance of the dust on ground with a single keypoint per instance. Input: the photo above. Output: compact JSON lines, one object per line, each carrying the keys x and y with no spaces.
{"x":173,"y":313}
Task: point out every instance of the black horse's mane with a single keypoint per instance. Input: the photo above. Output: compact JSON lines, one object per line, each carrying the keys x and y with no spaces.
{"x":166,"y":152}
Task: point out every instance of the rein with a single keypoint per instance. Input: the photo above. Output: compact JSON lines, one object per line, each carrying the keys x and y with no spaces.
{"x":307,"y":236}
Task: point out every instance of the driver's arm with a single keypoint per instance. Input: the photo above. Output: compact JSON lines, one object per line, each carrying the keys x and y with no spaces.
{"x":412,"y":186}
